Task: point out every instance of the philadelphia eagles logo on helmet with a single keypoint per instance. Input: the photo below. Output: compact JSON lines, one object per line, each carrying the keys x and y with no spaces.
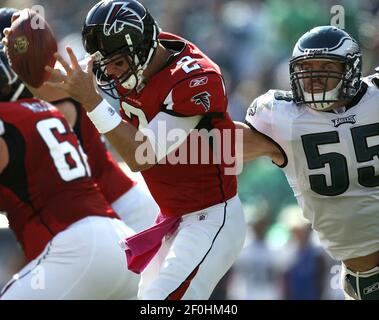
{"x":120,"y":15}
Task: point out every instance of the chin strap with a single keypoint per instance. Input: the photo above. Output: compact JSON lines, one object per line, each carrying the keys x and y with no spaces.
{"x":135,"y":81}
{"x":18,"y":92}
{"x":328,"y":95}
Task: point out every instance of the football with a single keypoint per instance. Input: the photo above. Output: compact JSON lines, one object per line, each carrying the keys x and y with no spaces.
{"x":31,"y":46}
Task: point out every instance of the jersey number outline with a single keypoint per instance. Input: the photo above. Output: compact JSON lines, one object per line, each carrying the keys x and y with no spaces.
{"x":337,"y":162}
{"x":60,"y":150}
{"x":131,"y":112}
{"x":188,"y":65}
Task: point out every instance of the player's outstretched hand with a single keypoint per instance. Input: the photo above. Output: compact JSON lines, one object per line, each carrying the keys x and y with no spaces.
{"x":76,"y":82}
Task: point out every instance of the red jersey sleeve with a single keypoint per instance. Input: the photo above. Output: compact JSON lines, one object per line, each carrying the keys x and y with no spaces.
{"x":199,"y":95}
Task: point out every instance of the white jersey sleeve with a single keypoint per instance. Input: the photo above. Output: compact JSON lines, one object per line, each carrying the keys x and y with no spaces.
{"x":161,"y":145}
{"x":268,"y":114}
{"x":259,"y":114}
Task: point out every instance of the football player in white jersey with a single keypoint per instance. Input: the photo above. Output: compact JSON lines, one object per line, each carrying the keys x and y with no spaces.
{"x":324,"y":134}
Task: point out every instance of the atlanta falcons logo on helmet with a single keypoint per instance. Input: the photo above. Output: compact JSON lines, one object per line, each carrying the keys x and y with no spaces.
{"x":203,"y":99}
{"x":120,"y":15}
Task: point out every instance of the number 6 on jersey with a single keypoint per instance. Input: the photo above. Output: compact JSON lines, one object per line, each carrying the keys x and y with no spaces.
{"x":70,"y":162}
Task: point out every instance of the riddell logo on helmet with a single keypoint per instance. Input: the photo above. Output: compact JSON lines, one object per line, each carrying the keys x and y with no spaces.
{"x":121,"y":15}
{"x":311,"y":52}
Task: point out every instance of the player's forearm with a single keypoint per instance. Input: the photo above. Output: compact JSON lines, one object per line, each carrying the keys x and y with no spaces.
{"x":134,"y":147}
{"x":47,"y":93}
{"x":4,"y":154}
{"x":255,"y":145}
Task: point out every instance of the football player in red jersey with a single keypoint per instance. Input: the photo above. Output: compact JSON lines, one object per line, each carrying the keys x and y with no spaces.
{"x":67,"y":229}
{"x":128,"y":199}
{"x":131,"y":201}
{"x":163,"y":80}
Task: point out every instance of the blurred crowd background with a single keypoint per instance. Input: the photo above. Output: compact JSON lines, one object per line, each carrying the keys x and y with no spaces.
{"x":252,"y":41}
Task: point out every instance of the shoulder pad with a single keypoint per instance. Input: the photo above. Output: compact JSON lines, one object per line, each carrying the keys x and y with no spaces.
{"x":283,"y":95}
{"x":261,"y":103}
{"x":252,"y":110}
{"x":375,"y":80}
{"x":372,"y":80}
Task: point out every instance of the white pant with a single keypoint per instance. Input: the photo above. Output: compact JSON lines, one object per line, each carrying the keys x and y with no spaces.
{"x":137,"y":208}
{"x":84,"y":261}
{"x":192,"y":261}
